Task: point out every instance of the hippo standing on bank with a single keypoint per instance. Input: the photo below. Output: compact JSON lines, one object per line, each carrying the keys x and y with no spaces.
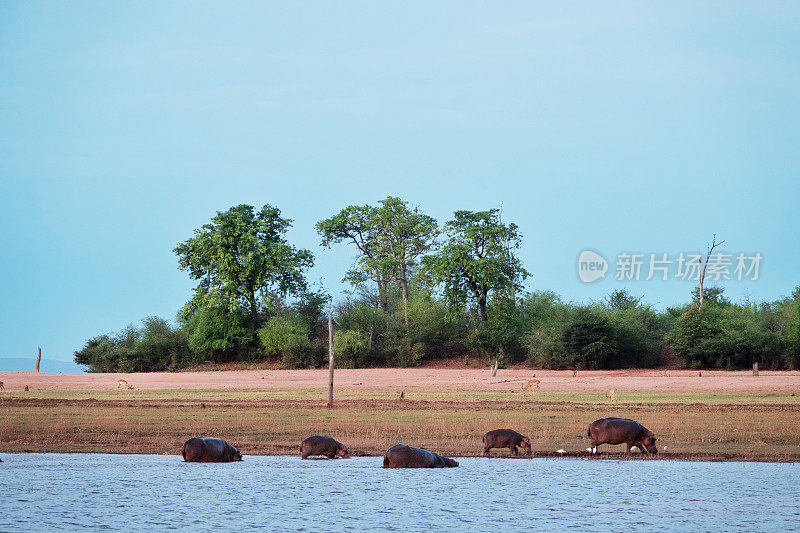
{"x":506,"y":438}
{"x":621,"y":430}
{"x":209,"y":450}
{"x":402,"y":456}
{"x":326,"y":446}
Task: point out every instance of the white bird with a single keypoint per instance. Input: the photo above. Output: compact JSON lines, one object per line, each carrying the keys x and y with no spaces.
{"x":665,"y":448}
{"x":635,"y":448}
{"x":588,"y":449}
{"x":561,"y":451}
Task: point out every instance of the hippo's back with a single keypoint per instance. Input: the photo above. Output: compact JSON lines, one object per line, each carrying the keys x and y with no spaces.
{"x":319,"y":445}
{"x":208,"y":450}
{"x":320,"y":442}
{"x":615,"y":430}
{"x":502,"y":437}
{"x":404,"y":456}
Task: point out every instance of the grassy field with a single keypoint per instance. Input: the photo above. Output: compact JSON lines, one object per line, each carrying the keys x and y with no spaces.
{"x":721,"y":426}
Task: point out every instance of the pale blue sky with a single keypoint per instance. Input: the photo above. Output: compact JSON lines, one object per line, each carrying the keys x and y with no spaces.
{"x":610,"y":126}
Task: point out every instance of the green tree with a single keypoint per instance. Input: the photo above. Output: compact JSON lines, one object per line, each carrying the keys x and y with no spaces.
{"x":358,"y":224}
{"x":404,"y":234}
{"x":476,"y":260}
{"x":242,"y":259}
{"x":621,"y":299}
{"x":389,"y":239}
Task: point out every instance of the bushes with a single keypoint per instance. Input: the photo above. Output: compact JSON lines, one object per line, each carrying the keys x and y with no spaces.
{"x":502,"y":335}
{"x":217,"y":334}
{"x":156,"y":346}
{"x":730,"y":336}
{"x":287,"y":336}
{"x":351,"y":348}
{"x":619,"y":332}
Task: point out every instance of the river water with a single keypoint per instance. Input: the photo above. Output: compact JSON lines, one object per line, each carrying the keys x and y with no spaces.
{"x":42,"y":492}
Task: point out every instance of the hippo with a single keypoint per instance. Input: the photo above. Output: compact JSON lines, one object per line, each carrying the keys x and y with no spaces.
{"x":619,"y":430}
{"x":326,"y":446}
{"x":506,"y":438}
{"x":402,"y":456}
{"x":209,"y":450}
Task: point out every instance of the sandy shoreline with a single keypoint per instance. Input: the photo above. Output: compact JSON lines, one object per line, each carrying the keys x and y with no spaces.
{"x":422,"y":379}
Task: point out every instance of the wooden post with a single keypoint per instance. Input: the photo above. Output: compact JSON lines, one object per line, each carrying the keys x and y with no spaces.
{"x":755,"y":368}
{"x":39,"y":358}
{"x":330,"y":359}
{"x":494,"y":368}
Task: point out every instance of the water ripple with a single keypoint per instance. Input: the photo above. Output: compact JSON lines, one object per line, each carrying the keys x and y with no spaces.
{"x":141,"y":492}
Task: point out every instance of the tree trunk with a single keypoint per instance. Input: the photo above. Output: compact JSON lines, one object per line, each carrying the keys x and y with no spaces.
{"x":482,"y":308}
{"x":383,"y":297}
{"x":404,"y":289}
{"x":702,"y":274}
{"x":701,"y":292}
{"x":251,"y":299}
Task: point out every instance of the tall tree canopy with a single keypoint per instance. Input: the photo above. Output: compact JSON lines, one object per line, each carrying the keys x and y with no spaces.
{"x":389,"y":239}
{"x":477,"y":259}
{"x":241,"y":259}
{"x":357,"y":224}
{"x":404,"y":234}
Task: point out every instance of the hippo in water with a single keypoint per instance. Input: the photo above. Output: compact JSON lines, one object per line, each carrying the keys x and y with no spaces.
{"x":326,"y":446}
{"x":506,"y":438}
{"x":402,"y":456}
{"x":619,"y":430}
{"x":209,"y":450}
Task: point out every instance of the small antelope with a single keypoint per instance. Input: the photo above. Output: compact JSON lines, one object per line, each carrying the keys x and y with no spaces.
{"x":122,"y":384}
{"x":1,"y":385}
{"x":612,"y":394}
{"x":531,"y":383}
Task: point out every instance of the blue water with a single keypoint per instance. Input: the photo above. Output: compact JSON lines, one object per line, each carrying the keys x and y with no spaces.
{"x":42,"y":492}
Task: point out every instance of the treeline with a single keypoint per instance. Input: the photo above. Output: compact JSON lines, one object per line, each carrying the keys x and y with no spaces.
{"x":421,"y":291}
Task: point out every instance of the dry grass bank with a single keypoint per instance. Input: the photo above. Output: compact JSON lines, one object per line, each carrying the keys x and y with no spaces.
{"x":764,"y":426}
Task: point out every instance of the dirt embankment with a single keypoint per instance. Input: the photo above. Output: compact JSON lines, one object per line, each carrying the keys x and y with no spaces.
{"x":423,"y":379}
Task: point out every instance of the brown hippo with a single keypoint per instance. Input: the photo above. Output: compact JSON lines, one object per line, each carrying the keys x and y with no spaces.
{"x":402,"y":456}
{"x":326,"y":446}
{"x":506,"y":438}
{"x":209,"y":450}
{"x":619,"y":430}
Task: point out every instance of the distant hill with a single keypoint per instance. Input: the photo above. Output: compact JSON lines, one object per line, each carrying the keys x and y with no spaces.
{"x":28,"y":364}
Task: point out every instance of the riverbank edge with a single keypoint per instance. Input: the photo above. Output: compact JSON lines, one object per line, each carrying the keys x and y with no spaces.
{"x":601,"y":456}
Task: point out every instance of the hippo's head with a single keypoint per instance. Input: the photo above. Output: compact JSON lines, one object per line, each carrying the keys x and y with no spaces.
{"x":450,"y":462}
{"x":526,"y":445}
{"x":649,"y":443}
{"x":343,"y":452}
{"x":237,"y":455}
